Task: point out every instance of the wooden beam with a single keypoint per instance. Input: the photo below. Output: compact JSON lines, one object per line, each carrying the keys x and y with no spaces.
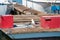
{"x":27,"y":10}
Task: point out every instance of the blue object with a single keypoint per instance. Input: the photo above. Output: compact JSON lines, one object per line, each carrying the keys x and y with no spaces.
{"x":53,"y":8}
{"x":59,"y":7}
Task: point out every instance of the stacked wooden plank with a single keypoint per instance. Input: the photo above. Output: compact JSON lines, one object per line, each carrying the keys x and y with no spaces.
{"x":20,"y":8}
{"x":25,"y":18}
{"x":27,"y":11}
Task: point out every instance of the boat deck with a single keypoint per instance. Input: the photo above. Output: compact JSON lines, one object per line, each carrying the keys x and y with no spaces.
{"x":29,"y":30}
{"x":24,"y":33}
{"x":36,"y":31}
{"x":18,"y":19}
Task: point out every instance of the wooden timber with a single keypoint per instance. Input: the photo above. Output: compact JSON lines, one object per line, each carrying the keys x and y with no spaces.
{"x":25,"y":18}
{"x":20,"y":9}
{"x":27,"y":11}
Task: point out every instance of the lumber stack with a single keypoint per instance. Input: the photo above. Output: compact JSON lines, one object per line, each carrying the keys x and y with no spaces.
{"x":25,"y":18}
{"x":27,"y":11}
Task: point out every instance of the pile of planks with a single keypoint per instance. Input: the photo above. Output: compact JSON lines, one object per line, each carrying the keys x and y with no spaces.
{"x":20,"y":9}
{"x":25,"y":18}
